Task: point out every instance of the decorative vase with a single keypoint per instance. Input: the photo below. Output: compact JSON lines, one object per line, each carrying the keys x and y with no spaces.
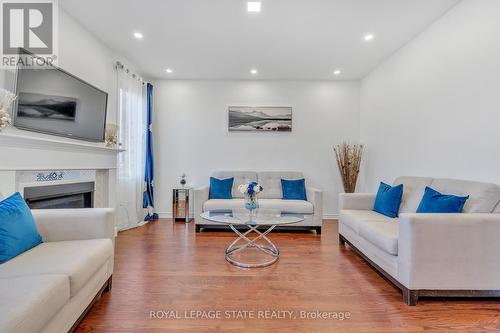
{"x":251,"y":202}
{"x":348,"y":158}
{"x":111,"y":136}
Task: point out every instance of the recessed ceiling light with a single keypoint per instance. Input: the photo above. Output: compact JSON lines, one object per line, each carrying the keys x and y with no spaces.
{"x":168,"y":70}
{"x":337,"y":72}
{"x":253,"y":6}
{"x":369,"y":37}
{"x":138,"y":35}
{"x":253,"y":71}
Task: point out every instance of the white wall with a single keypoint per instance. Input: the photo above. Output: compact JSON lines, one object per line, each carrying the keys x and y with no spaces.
{"x":434,"y":107}
{"x":83,"y":55}
{"x":191,"y":133}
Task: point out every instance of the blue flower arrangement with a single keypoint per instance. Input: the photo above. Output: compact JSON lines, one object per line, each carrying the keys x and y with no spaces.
{"x":250,"y":192}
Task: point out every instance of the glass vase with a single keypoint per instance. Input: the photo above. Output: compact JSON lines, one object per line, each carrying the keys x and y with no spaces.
{"x":251,"y":203}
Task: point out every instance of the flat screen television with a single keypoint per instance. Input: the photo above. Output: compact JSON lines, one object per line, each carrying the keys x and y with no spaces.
{"x":53,"y":101}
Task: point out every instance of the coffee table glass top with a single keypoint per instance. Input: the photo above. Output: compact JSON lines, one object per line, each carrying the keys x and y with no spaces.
{"x":256,"y":217}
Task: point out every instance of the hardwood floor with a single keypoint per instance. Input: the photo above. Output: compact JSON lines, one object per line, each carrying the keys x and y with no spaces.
{"x":168,"y":267}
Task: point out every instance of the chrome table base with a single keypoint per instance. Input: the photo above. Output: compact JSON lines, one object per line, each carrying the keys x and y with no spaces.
{"x":269,"y":248}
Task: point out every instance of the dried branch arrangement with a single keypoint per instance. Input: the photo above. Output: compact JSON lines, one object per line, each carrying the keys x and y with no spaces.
{"x":348,"y":160}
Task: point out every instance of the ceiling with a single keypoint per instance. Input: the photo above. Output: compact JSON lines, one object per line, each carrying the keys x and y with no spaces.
{"x":288,"y":39}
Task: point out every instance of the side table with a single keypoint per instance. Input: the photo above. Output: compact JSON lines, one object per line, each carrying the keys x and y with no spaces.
{"x":180,"y":204}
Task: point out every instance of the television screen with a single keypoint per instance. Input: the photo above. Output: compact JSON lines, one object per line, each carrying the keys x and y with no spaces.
{"x":53,"y":101}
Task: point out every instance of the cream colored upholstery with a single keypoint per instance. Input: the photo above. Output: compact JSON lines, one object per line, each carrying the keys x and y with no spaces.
{"x":223,"y":204}
{"x":78,"y":260}
{"x":353,"y":218}
{"x":483,"y":197}
{"x":383,"y":235}
{"x":29,"y":302}
{"x":270,"y":198}
{"x":288,"y":206}
{"x":271,"y":181}
{"x":53,"y":283}
{"x":240,"y":177}
{"x":413,"y":190}
{"x":430,"y":251}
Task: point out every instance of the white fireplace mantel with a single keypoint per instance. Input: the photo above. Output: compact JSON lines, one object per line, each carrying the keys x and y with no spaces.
{"x":27,"y":151}
{"x":22,"y":150}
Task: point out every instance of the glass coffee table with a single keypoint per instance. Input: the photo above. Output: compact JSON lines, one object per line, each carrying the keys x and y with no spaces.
{"x":260,"y":221}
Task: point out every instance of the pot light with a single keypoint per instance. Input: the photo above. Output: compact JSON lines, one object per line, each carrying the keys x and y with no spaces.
{"x":138,"y":35}
{"x":169,"y":70}
{"x":337,"y":72}
{"x":368,"y":37}
{"x":253,"y":71}
{"x":253,"y":6}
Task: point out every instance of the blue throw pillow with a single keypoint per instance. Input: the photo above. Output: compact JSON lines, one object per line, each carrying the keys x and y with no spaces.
{"x":17,"y":228}
{"x":388,"y":200}
{"x":221,"y":188}
{"x":435,"y":202}
{"x":294,"y":189}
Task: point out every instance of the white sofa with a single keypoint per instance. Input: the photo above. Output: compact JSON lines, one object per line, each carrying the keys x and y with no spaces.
{"x":455,"y":255}
{"x":51,"y":287}
{"x":270,"y":198}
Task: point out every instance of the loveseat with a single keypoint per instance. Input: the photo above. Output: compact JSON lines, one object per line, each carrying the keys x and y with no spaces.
{"x":50,"y":287}
{"x":269,"y":198}
{"x":455,"y":255}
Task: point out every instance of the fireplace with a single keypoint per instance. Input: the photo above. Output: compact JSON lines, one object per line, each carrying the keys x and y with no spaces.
{"x":74,"y":195}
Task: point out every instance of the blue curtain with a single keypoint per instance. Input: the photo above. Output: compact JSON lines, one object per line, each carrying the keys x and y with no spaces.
{"x":148,"y":195}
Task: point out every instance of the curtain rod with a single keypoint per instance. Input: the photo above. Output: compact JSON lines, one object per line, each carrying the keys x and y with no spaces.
{"x":119,"y":65}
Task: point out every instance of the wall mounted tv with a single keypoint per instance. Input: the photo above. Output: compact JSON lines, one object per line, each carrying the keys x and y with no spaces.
{"x":51,"y":100}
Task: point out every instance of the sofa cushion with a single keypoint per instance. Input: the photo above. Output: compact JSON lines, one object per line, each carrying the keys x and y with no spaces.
{"x":483,"y":197}
{"x":78,"y":259}
{"x":435,"y":202}
{"x":27,"y":303}
{"x":220,"y":188}
{"x":18,"y":232}
{"x":294,"y":189}
{"x":388,"y":199}
{"x":223,"y":204}
{"x":240,"y":177}
{"x":352,"y":218}
{"x":287,"y":206}
{"x":413,"y":190}
{"x":383,"y":235}
{"x":271,"y":182}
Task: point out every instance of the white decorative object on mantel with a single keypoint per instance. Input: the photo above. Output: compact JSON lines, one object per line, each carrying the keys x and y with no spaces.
{"x":6,"y":99}
{"x":111,"y":135}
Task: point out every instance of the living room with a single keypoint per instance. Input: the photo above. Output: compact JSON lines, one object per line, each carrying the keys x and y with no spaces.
{"x":257,"y":166}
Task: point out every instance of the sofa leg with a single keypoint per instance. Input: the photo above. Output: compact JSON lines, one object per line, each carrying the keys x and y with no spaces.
{"x":410,"y":297}
{"x":318,"y":230}
{"x":341,"y":240}
{"x":197,"y":228}
{"x":109,"y":285}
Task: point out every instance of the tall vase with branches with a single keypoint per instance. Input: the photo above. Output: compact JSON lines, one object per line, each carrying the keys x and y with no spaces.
{"x":348,"y":160}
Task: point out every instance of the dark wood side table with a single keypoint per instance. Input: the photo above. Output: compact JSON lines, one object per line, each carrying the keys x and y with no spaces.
{"x":180,"y":204}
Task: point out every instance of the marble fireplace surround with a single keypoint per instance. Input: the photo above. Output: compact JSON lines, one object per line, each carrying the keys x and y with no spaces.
{"x":28,"y":159}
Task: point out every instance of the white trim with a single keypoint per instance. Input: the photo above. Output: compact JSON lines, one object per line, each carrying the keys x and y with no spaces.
{"x":140,"y":224}
{"x":13,"y":137}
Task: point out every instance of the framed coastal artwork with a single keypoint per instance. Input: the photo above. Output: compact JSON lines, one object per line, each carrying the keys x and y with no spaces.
{"x":260,"y":119}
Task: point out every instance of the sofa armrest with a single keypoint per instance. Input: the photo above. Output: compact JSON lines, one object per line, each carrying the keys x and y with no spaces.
{"x":315,"y":196}
{"x":74,"y":224}
{"x":200,"y":196}
{"x":449,"y":251}
{"x":357,"y":201}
